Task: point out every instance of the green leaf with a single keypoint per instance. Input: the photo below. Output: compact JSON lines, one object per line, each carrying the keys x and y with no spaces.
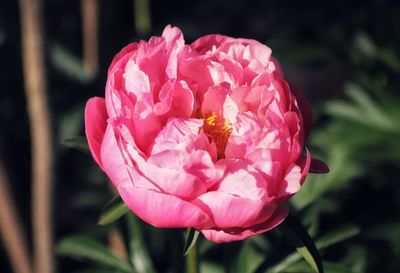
{"x":302,"y":267}
{"x":190,"y":240}
{"x":139,"y":254}
{"x":77,"y":142}
{"x":337,"y":235}
{"x":83,"y":247}
{"x":325,"y":241}
{"x":293,"y":229}
{"x":112,"y":211}
{"x":100,"y":270}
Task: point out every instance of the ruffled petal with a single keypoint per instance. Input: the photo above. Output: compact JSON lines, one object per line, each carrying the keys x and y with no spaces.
{"x":207,"y":42}
{"x":174,"y":43}
{"x":246,"y":131}
{"x":177,"y":134}
{"x":176,"y":100}
{"x":136,"y":81}
{"x":242,"y":180}
{"x":123,"y":56}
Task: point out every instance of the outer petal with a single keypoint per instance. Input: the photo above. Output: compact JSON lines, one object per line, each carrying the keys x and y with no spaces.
{"x":163,"y":210}
{"x":292,"y":123}
{"x":95,"y":125}
{"x":224,"y":236}
{"x":230,"y":211}
{"x":127,"y":51}
{"x":113,"y":162}
{"x":304,"y":162}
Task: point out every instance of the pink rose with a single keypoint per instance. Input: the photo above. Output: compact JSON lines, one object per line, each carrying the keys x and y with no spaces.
{"x":207,"y":135}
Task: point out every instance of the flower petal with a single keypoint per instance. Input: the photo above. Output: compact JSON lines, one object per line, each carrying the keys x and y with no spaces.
{"x":291,"y":182}
{"x":177,"y":134}
{"x":163,"y":210}
{"x":95,"y":126}
{"x":217,"y":100}
{"x":113,"y":162}
{"x":230,"y":211}
{"x":146,"y":125}
{"x":305,"y":109}
{"x":123,"y":56}
{"x":242,"y":180}
{"x":224,"y":236}
{"x":318,"y":166}
{"x":245,"y":136}
{"x":176,"y":100}
{"x":206,"y":43}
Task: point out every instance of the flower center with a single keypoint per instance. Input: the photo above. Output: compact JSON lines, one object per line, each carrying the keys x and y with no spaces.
{"x":217,"y":130}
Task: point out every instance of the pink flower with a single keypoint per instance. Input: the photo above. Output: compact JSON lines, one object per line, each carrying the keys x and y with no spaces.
{"x":207,"y":135}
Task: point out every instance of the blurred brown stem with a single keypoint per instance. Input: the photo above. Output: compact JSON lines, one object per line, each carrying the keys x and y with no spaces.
{"x":116,"y":244}
{"x":89,"y":32}
{"x":10,"y":229}
{"x":42,"y":150}
{"x":142,"y":17}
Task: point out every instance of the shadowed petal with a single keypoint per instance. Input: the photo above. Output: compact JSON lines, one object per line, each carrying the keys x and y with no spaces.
{"x":305,"y":109}
{"x":318,"y":166}
{"x":95,"y":125}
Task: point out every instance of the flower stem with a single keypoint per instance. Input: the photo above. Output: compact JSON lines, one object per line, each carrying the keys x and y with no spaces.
{"x":41,"y":134}
{"x":89,"y":9}
{"x":192,"y":261}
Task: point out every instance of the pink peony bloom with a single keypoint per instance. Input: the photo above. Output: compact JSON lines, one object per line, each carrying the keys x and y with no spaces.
{"x":207,"y":135}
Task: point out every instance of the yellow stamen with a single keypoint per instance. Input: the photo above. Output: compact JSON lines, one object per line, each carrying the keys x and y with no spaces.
{"x":211,"y":119}
{"x":218,"y":130}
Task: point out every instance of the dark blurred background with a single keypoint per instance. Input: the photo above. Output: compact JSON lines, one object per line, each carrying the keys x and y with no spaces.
{"x":344,"y":55}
